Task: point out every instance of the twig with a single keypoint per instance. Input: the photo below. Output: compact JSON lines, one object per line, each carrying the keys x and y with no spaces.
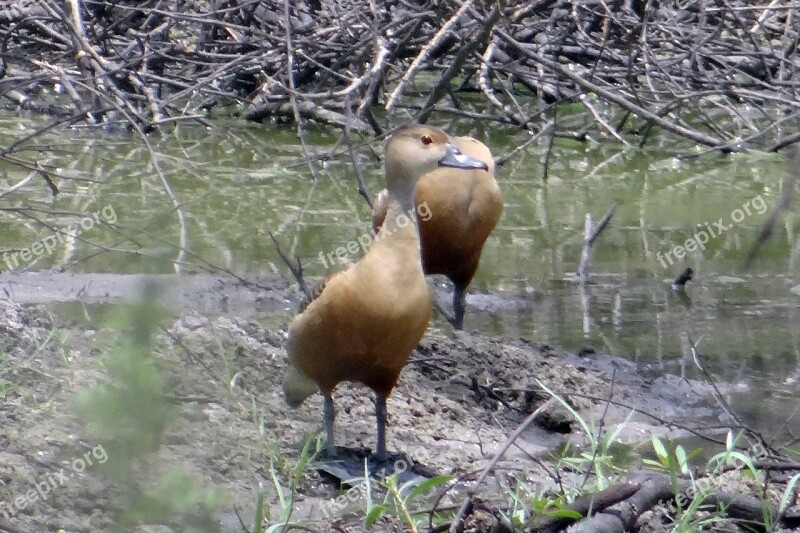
{"x":424,"y":53}
{"x":721,"y":399}
{"x":455,"y":66}
{"x":362,"y":186}
{"x":785,"y":203}
{"x":292,"y":99}
{"x":458,"y":522}
{"x":590,"y":235}
{"x":294,"y":267}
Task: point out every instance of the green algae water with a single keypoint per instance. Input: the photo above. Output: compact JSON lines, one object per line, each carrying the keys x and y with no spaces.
{"x":236,"y":183}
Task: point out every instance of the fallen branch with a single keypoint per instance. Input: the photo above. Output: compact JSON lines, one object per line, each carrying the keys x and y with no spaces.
{"x":634,"y":68}
{"x":584,"y":505}
{"x":654,"y":488}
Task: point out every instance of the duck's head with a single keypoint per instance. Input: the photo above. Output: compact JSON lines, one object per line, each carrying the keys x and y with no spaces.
{"x":417,"y":149}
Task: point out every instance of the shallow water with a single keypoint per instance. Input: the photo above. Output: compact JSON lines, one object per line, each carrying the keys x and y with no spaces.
{"x":237,"y":182}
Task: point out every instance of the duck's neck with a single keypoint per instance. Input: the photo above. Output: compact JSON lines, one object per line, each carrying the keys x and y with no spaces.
{"x":401,"y":217}
{"x":402,"y":192}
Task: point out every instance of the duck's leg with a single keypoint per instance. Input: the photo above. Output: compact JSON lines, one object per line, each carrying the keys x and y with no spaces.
{"x":380,"y":418}
{"x":330,"y":415}
{"x":459,"y":305}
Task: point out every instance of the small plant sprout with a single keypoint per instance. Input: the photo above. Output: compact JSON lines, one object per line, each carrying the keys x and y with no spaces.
{"x":788,"y":495}
{"x":374,"y":511}
{"x":259,"y":515}
{"x":405,"y":496}
{"x":731,"y":457}
{"x":597,"y":456}
{"x":286,"y":494}
{"x":674,"y":460}
{"x":231,"y":375}
{"x":400,"y":500}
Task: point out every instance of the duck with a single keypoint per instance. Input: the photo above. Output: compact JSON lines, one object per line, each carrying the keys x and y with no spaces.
{"x":360,"y":324}
{"x":457,"y":211}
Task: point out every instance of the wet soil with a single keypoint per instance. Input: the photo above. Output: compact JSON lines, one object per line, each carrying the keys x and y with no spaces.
{"x":457,"y":401}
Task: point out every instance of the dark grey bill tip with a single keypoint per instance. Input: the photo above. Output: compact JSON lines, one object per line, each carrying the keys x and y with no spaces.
{"x":453,"y":158}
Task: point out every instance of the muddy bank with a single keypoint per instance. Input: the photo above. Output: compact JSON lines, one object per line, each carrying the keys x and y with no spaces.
{"x":210,"y":294}
{"x":456,"y":403}
{"x":205,"y":293}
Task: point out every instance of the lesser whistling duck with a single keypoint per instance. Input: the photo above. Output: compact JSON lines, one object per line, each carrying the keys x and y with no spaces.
{"x":362,"y":323}
{"x":460,"y":211}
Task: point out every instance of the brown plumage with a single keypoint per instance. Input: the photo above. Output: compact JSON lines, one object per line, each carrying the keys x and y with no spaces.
{"x":361,"y":324}
{"x":462,"y":208}
{"x":315,"y":292}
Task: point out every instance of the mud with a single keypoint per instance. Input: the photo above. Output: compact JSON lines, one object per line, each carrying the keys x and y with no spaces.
{"x":456,"y":403}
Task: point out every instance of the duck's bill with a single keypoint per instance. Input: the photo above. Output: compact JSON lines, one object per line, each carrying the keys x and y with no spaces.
{"x":455,"y":159}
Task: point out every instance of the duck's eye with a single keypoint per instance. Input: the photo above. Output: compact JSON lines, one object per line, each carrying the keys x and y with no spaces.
{"x":426,"y":140}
